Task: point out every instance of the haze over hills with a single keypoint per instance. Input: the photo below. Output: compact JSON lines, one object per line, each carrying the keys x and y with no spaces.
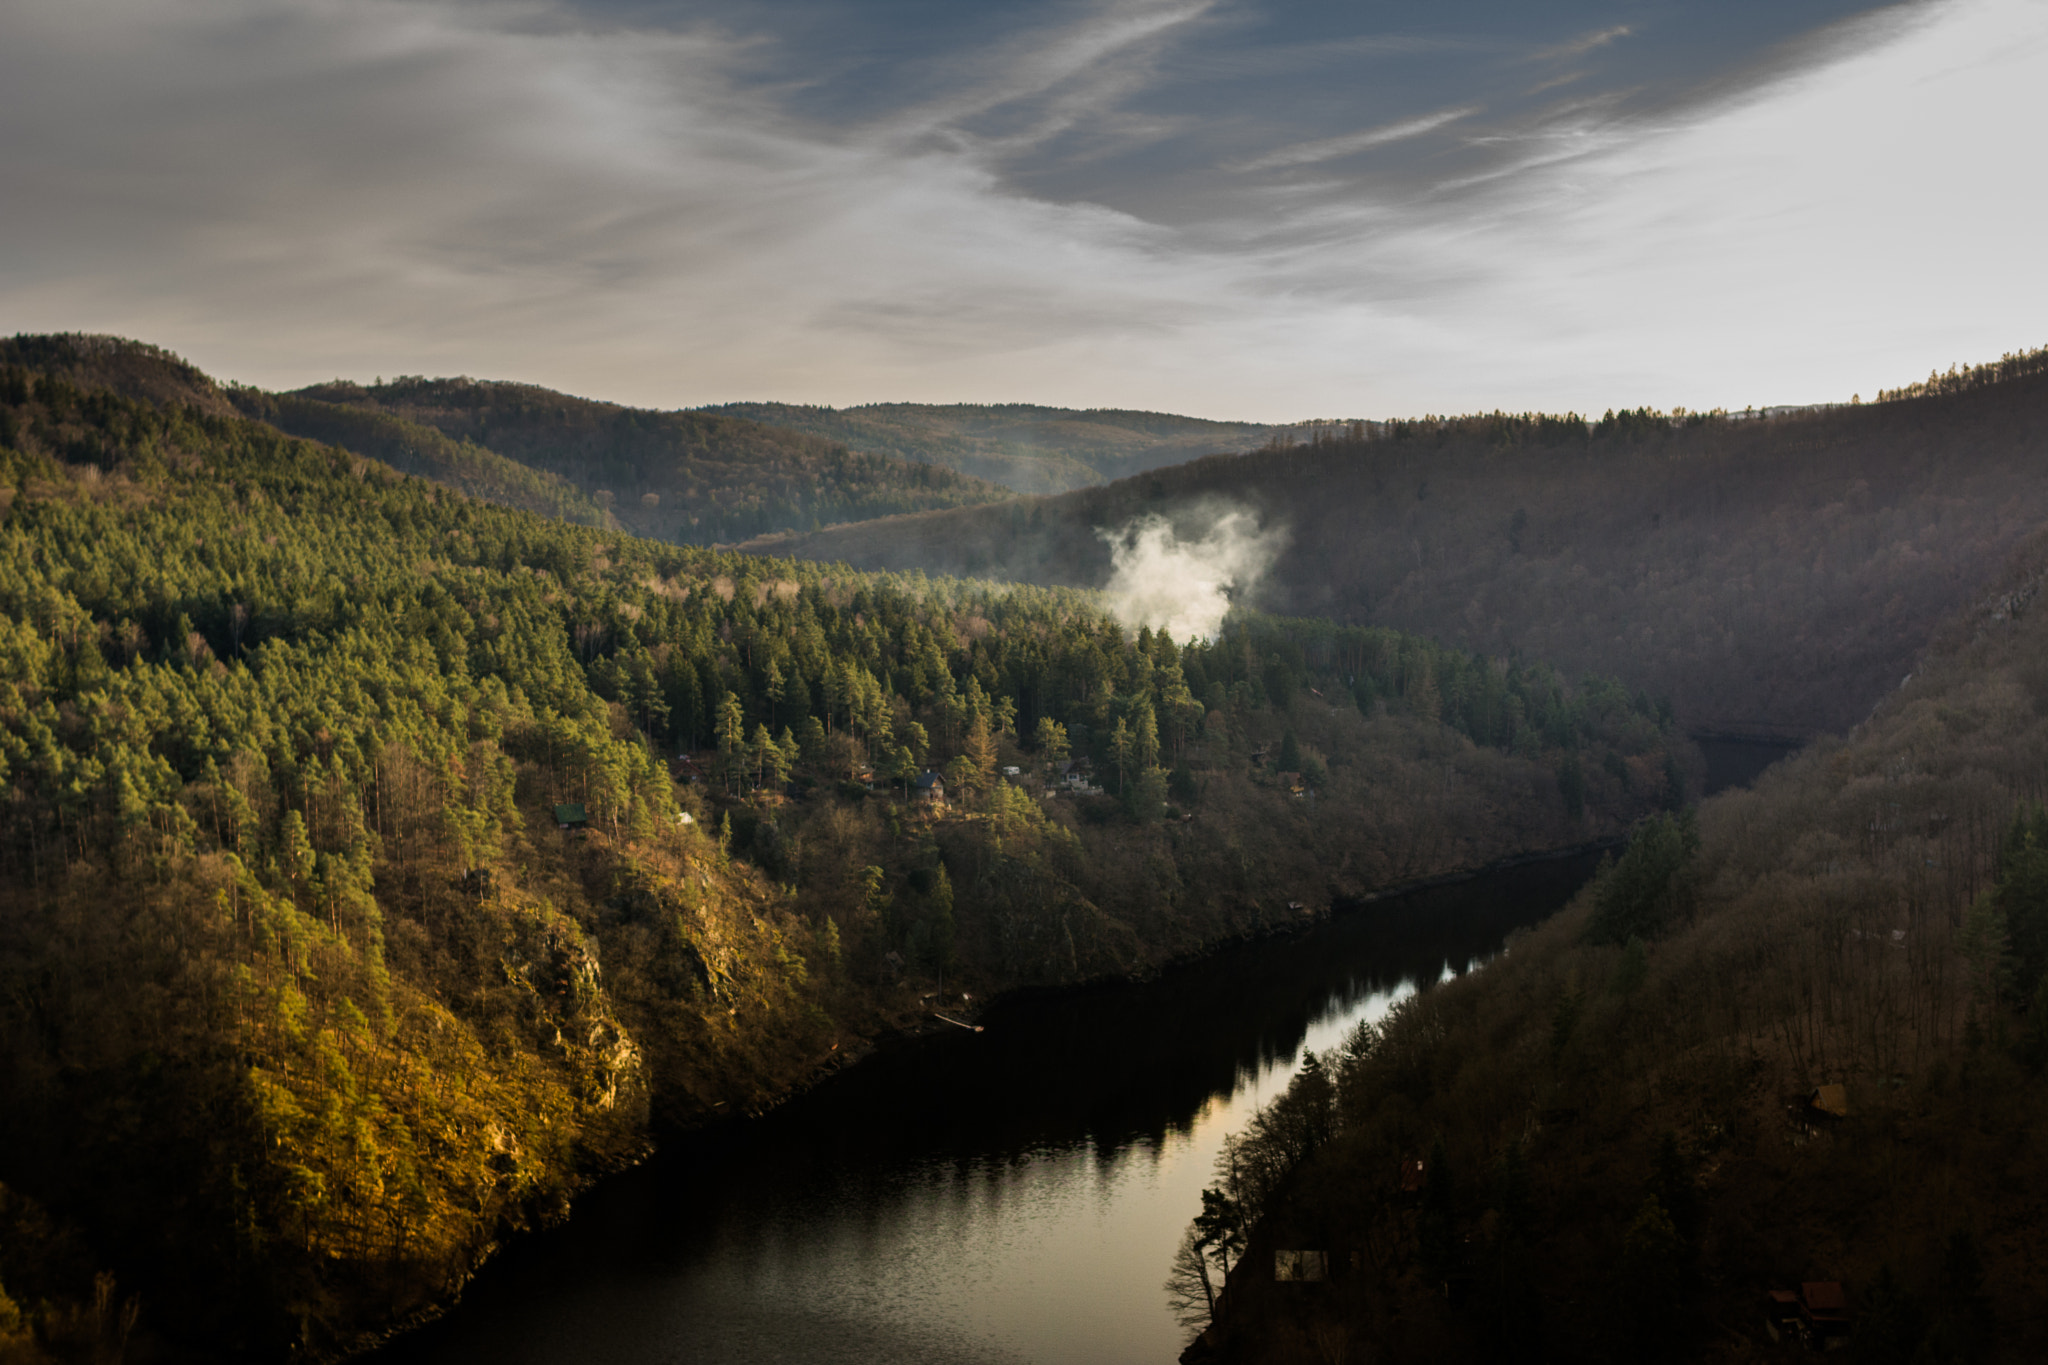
{"x":687,"y":478}
{"x":1022,"y":446}
{"x":1769,"y":576}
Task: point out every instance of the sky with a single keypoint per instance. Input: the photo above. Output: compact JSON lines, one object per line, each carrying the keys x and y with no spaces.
{"x":1245,"y":211}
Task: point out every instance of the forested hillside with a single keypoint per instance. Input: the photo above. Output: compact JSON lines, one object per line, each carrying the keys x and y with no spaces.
{"x":350,"y":917}
{"x":1769,"y":575}
{"x":413,"y":448}
{"x":1623,"y":1137}
{"x":1027,"y":448}
{"x":693,"y":478}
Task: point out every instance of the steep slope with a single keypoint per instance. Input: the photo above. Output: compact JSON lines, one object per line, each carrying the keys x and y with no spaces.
{"x":1768,"y":575}
{"x":1030,"y":449}
{"x":685,"y":477}
{"x":350,"y":921}
{"x":1620,"y":1152}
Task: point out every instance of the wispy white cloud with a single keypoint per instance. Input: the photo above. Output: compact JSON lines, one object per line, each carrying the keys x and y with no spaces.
{"x":1568,"y":78}
{"x":1350,"y":144}
{"x":1066,"y":73}
{"x":295,"y":189}
{"x":1581,"y":45}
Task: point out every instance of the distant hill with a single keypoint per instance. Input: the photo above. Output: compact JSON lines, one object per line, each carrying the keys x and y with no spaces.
{"x":1027,"y":448}
{"x":686,"y":477}
{"x":415,"y":448}
{"x":133,"y":369}
{"x":1768,"y":575}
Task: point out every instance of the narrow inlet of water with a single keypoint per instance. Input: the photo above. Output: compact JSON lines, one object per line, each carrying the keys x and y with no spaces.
{"x":1008,"y":1196}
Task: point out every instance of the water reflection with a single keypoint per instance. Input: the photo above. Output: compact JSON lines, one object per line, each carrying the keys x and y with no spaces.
{"x":1013,"y":1195}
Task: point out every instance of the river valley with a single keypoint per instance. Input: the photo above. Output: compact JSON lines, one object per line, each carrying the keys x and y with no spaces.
{"x":1013,"y":1195}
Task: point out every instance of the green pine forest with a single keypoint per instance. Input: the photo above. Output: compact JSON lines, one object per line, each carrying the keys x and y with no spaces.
{"x":306,"y":1001}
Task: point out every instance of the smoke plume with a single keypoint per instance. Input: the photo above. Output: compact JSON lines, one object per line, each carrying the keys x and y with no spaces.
{"x":1184,"y":586}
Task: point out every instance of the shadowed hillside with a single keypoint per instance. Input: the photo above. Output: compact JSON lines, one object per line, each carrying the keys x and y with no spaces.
{"x":687,"y":477}
{"x":1767,"y":575}
{"x":1018,"y":445}
{"x":1624,"y":1135}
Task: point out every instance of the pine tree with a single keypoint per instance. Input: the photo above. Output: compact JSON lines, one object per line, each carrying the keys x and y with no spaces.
{"x":981,"y":752}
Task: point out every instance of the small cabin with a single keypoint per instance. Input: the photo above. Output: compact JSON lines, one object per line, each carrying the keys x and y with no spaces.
{"x":1294,"y":784}
{"x":1816,"y":1314}
{"x":1076,"y":777}
{"x":929,"y":789}
{"x":570,"y":815}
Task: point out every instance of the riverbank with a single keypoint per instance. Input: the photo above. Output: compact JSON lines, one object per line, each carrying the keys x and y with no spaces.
{"x":882,"y":1201}
{"x":1803,"y":1048}
{"x":847,"y":1060}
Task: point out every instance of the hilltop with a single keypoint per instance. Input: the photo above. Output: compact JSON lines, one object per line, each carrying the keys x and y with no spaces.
{"x":1768,"y":575}
{"x":1021,"y":446}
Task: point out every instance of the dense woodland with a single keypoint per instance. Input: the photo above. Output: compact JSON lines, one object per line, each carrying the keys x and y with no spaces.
{"x":1019,"y":445}
{"x":414,"y":448}
{"x":307,"y":1002}
{"x":1618,"y":1152}
{"x":693,"y":478}
{"x":1771,"y":576}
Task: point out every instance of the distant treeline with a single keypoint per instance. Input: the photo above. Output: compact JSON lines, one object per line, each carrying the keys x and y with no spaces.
{"x":1770,"y":575}
{"x":694,"y":478}
{"x":1023,"y":446}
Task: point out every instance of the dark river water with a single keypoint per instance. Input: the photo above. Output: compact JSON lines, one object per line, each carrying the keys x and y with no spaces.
{"x":1013,"y":1195}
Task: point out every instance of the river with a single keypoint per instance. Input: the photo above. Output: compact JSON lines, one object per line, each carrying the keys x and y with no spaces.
{"x":1008,"y":1196}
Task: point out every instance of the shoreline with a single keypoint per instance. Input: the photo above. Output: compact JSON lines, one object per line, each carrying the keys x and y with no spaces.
{"x":846,"y":1062}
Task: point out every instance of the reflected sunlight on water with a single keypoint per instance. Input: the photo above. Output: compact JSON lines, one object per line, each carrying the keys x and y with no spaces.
{"x":1013,"y":1196}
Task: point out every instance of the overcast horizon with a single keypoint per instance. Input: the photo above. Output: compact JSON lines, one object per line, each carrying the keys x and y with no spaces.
{"x":1235,"y":211}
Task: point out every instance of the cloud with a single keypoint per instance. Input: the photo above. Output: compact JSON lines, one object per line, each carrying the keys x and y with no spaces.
{"x":322,"y":186}
{"x":1330,"y":148}
{"x":1184,"y":587}
{"x":291,"y":190}
{"x":1580,"y":46}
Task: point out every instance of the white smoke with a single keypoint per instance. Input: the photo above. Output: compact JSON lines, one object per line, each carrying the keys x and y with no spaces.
{"x":1184,"y":587}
